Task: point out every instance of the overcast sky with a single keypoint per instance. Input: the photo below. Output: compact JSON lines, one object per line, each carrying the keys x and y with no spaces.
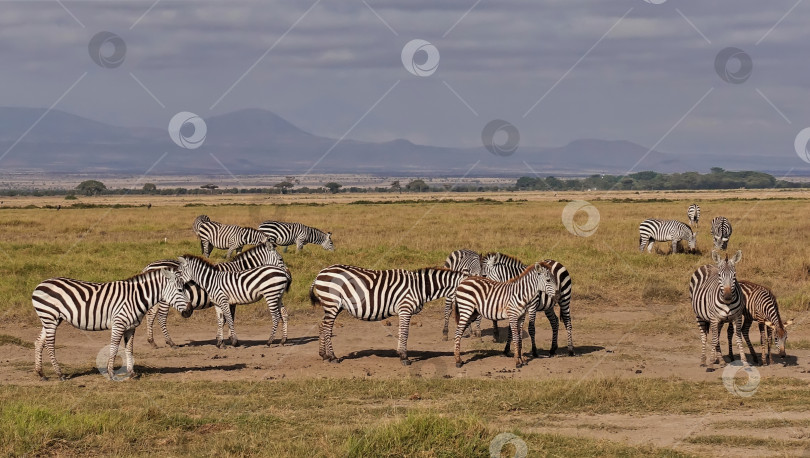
{"x":628,"y":70}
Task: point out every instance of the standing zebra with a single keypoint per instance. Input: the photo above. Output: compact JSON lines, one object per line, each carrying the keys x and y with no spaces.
{"x":501,"y":267}
{"x":227,"y":236}
{"x":501,"y":300}
{"x":761,"y":306}
{"x":693,"y":213}
{"x":665,"y":230}
{"x":117,"y":305}
{"x":721,"y":232}
{"x":716,"y":298}
{"x":463,"y":261}
{"x":238,"y":288}
{"x":374,"y":295}
{"x":260,"y":255}
{"x":284,"y":234}
{"x":196,"y":225}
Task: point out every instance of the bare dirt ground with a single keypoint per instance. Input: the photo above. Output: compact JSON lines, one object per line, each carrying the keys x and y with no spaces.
{"x":616,"y":343}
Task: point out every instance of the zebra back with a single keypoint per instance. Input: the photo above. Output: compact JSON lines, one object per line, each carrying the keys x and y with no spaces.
{"x":220,"y":235}
{"x":285,"y":234}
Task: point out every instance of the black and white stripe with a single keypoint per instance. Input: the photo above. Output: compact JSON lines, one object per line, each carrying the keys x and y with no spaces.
{"x":238,"y":288}
{"x":501,"y":300}
{"x":284,"y":234}
{"x":716,"y":298}
{"x":502,"y":267}
{"x":227,"y":236}
{"x":693,"y":213}
{"x":721,"y":232}
{"x":665,"y":230}
{"x":374,"y":295}
{"x":118,"y":305}
{"x":260,"y":255}
{"x":761,"y":307}
{"x":467,"y":261}
{"x":196,"y":225}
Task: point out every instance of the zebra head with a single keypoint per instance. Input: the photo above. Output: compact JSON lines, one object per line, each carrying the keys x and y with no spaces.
{"x":172,"y":292}
{"x":327,"y":242}
{"x":727,"y":275}
{"x":720,"y":242}
{"x":250,"y":236}
{"x":780,"y":336}
{"x":692,"y":241}
{"x":547,"y":283}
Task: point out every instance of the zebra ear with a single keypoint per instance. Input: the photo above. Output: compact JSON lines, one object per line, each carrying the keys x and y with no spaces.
{"x":168,"y":273}
{"x":737,"y":257}
{"x":769,"y":324}
{"x":789,"y":322}
{"x":182,"y":261}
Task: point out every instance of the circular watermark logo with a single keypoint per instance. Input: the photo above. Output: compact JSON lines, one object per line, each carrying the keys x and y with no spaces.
{"x":655,"y":2}
{"x":423,"y":49}
{"x":187,"y":130}
{"x":502,"y":439}
{"x":569,"y":218}
{"x":101,"y":363}
{"x":800,"y":144}
{"x":736,"y":384}
{"x":500,"y":137}
{"x":723,"y":60}
{"x":107,"y":49}
{"x":429,"y":369}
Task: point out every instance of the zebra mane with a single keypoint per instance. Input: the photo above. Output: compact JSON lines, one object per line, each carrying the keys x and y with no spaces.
{"x":245,"y":253}
{"x":142,"y":275}
{"x":442,"y":269}
{"x":199,"y":258}
{"x":528,"y":270}
{"x":499,"y":256}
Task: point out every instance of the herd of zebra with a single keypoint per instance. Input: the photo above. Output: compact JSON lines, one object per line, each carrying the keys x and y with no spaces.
{"x":494,"y":286}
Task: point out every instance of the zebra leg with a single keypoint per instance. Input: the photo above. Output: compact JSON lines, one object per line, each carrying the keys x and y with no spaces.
{"x":514,"y":324}
{"x":463,"y":322}
{"x":765,"y":342}
{"x":738,"y":337}
{"x":325,"y":336}
{"x":162,"y":315}
{"x":129,"y":345}
{"x":284,"y":316}
{"x":650,"y":246}
{"x":229,"y":320}
{"x":532,"y":316}
{"x":448,"y":306}
{"x":404,"y":326}
{"x":495,"y":332}
{"x":675,"y":245}
{"x":506,"y":348}
{"x":206,"y":248}
{"x":704,"y":329}
{"x":220,"y":324}
{"x":275,"y":314}
{"x":477,"y":331}
{"x":50,"y":344}
{"x":38,"y":346}
{"x":746,"y":327}
{"x":555,"y":331}
{"x":730,"y":335}
{"x":115,"y":341}
{"x":150,"y":321}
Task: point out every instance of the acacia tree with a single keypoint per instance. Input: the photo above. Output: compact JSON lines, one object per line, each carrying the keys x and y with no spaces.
{"x":417,"y":186}
{"x":150,"y":188}
{"x":333,"y":187}
{"x":210,"y":186}
{"x":91,"y":187}
{"x":395,"y":186}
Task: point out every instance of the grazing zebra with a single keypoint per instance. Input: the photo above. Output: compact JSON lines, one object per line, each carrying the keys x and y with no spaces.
{"x":664,"y":230}
{"x":227,"y":236}
{"x":374,"y":295}
{"x":238,"y":288}
{"x":196,"y":225}
{"x":761,"y":306}
{"x":463,"y":261}
{"x":502,"y":267}
{"x":716,"y":298}
{"x":501,"y":300}
{"x":721,"y":232}
{"x":693,"y":213}
{"x":284,"y":234}
{"x":117,"y":305}
{"x":260,"y":255}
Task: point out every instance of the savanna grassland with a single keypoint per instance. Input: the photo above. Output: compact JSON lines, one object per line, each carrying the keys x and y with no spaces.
{"x":634,"y":389}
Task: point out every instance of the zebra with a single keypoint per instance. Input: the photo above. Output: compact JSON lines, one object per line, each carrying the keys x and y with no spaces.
{"x":664,"y":230}
{"x":693,"y":213}
{"x":118,"y":305}
{"x":196,"y":225}
{"x":721,"y":232}
{"x":501,"y":267}
{"x":501,"y":300}
{"x":285,"y":234}
{"x":716,"y":297}
{"x":227,"y":236}
{"x":237,"y":288}
{"x":198,"y":298}
{"x":374,"y":295}
{"x":463,"y":261}
{"x":761,"y":306}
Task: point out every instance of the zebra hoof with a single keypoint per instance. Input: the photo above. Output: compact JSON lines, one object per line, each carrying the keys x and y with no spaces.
{"x":334,"y":360}
{"x":133,"y":375}
{"x":173,"y":346}
{"x":152,"y":343}
{"x":62,"y":378}
{"x":43,"y":378}
{"x":405,"y":362}
{"x":235,"y":343}
{"x":571,"y":353}
{"x":219,"y":344}
{"x":444,"y":338}
{"x":709,"y":369}
{"x":459,"y":364}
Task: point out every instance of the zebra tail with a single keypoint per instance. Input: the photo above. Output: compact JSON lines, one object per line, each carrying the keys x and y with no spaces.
{"x":455,"y":310}
{"x":312,"y":297}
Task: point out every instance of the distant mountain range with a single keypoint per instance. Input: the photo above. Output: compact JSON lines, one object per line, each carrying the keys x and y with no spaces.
{"x":255,"y":141}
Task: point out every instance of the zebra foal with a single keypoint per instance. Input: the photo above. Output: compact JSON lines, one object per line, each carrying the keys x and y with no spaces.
{"x":374,"y":295}
{"x":501,"y":300}
{"x":285,"y":234}
{"x":462,"y":261}
{"x":716,"y":298}
{"x":665,"y":230}
{"x":118,"y":305}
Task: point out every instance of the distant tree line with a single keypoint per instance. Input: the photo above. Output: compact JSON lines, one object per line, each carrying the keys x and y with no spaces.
{"x":717,"y":179}
{"x":643,"y":181}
